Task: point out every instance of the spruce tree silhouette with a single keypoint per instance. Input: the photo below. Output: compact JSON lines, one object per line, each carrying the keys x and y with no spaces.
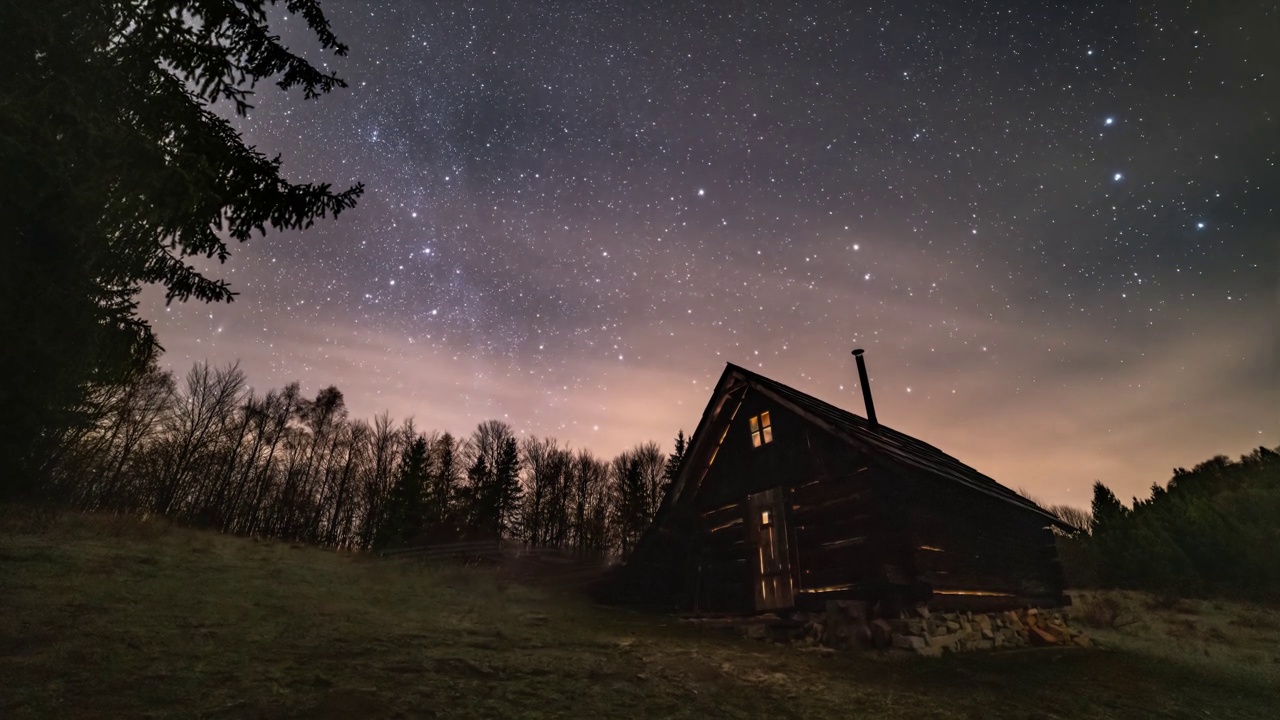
{"x":407,"y":505}
{"x":115,"y":171}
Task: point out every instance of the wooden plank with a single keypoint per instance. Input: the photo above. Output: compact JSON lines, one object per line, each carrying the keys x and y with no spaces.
{"x":833,"y":555}
{"x":730,"y":525}
{"x":982,"y":577}
{"x":819,"y":494}
{"x":843,"y":564}
{"x":843,"y":504}
{"x":1016,"y":584}
{"x":734,"y":545}
{"x":990,"y":604}
{"x":721,"y":514}
{"x":821,"y":531}
{"x":981,"y":559}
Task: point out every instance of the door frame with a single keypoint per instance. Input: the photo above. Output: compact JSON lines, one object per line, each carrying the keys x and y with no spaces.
{"x":773,"y":587}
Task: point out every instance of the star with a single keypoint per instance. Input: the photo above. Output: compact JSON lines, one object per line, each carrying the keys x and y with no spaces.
{"x":561,"y":264}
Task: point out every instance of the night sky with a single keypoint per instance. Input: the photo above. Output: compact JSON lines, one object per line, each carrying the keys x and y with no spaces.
{"x":1053,"y":226}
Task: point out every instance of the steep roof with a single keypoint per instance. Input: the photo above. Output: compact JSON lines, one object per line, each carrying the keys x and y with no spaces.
{"x":880,"y":440}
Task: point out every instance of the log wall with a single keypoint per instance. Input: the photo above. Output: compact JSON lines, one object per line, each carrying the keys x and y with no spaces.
{"x":858,"y":526}
{"x":975,"y":551}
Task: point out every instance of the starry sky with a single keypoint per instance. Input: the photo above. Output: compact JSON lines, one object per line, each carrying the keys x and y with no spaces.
{"x":1052,"y":225}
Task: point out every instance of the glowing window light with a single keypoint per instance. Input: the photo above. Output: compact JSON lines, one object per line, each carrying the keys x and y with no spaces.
{"x":761,"y":430}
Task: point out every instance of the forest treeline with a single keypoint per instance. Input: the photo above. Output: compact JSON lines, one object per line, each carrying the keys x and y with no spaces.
{"x":209,"y":451}
{"x":1211,"y":530}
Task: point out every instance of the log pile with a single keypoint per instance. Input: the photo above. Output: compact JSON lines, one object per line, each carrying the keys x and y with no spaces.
{"x":845,"y":625}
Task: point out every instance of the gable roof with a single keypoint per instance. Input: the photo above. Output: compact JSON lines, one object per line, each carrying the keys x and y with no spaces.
{"x":879,"y":440}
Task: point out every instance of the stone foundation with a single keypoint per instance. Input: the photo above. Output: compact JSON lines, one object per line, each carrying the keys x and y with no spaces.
{"x":844,"y":625}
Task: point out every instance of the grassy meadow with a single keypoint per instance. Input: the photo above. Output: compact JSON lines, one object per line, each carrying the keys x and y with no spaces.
{"x":114,"y":617}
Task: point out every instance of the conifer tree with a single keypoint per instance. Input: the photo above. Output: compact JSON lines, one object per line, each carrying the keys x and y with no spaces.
{"x":674,"y":460}
{"x":1108,"y":512}
{"x":406,"y":515}
{"x":506,"y":489}
{"x":629,"y":501}
{"x":116,"y":171}
{"x":443,"y":488}
{"x":475,"y":496}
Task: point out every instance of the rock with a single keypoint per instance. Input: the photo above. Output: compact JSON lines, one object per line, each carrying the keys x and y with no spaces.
{"x":931,"y":651}
{"x":908,"y":642}
{"x":944,"y":641}
{"x":1040,"y":636}
{"x":881,"y":633}
{"x":1082,"y":641}
{"x":846,"y":608}
{"x":820,"y":649}
{"x":1058,"y":631}
{"x":922,"y":611}
{"x":953,"y":626}
{"x":1008,"y":637}
{"x":850,"y":633}
{"x":861,"y":634}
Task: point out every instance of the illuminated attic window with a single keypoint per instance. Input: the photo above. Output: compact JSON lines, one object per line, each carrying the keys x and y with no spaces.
{"x":761,"y":430}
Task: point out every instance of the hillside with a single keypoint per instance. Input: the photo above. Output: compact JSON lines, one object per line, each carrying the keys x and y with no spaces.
{"x":115,"y":617}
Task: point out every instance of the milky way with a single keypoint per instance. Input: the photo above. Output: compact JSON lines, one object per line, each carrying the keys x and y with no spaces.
{"x":1053,"y":228}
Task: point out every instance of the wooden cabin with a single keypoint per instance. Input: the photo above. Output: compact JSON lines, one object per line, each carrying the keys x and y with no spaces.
{"x":785,"y":501}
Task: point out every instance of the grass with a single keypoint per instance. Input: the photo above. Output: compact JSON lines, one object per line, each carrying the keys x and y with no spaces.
{"x":116,"y":617}
{"x":1213,"y":636}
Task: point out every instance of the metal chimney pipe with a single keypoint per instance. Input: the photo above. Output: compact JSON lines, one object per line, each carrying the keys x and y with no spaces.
{"x":866,"y":388}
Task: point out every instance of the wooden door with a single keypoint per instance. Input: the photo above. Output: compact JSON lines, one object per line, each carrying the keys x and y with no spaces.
{"x":771,"y":567}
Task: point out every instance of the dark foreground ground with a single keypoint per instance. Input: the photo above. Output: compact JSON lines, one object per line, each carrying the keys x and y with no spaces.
{"x":113,"y":617}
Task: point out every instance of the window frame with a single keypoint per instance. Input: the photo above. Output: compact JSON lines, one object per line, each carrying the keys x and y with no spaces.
{"x":761,"y":428}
